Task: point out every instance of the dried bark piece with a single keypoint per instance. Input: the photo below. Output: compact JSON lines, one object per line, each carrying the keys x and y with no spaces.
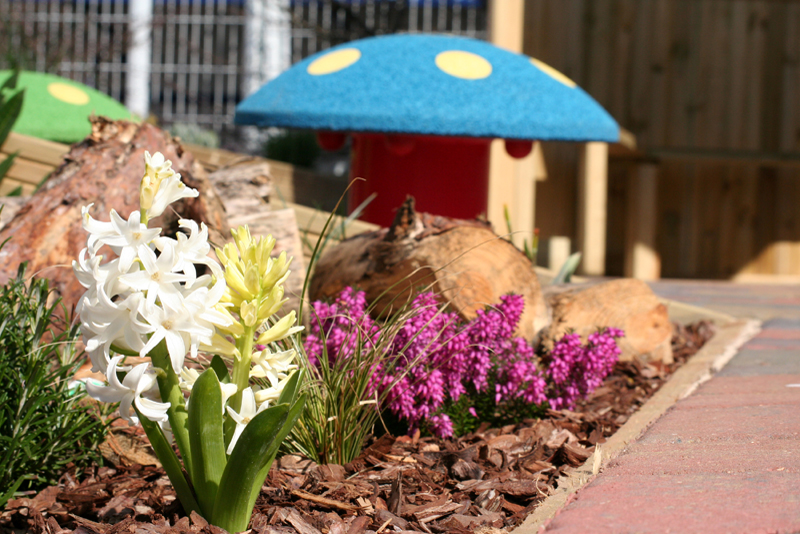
{"x":464,"y":470}
{"x":359,"y":525}
{"x":381,"y":516}
{"x":293,"y":517}
{"x":330,"y":503}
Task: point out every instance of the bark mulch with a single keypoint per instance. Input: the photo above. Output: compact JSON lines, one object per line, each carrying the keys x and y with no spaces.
{"x":490,"y":479}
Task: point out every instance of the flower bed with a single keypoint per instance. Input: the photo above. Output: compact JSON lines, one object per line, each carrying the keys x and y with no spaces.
{"x":520,"y":464}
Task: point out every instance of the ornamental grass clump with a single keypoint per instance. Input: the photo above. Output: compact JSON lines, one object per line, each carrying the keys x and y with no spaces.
{"x":45,"y":424}
{"x":340,"y":412}
{"x":441,"y":374}
{"x":150,"y":301}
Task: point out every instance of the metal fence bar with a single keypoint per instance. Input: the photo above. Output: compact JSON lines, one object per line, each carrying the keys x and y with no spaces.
{"x":202,"y":61}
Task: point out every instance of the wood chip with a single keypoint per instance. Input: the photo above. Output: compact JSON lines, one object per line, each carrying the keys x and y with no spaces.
{"x":331,"y":503}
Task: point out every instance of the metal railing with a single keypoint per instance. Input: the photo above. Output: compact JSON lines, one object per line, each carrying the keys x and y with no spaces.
{"x":205,"y":55}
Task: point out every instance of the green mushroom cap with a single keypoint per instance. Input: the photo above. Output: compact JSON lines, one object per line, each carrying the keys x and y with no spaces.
{"x":58,"y":109}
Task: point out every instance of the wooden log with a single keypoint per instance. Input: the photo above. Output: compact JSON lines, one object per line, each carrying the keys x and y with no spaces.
{"x":10,"y":207}
{"x":464,"y":262}
{"x":626,"y":304}
{"x":105,"y":169}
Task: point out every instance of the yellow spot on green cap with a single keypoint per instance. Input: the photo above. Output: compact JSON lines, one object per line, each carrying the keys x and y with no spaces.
{"x":465,"y":65}
{"x":68,"y":93}
{"x":553,"y":73}
{"x":334,"y":61}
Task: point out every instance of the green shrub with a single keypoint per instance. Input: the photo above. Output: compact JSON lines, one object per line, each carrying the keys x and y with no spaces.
{"x":296,"y":147}
{"x":44,"y":424}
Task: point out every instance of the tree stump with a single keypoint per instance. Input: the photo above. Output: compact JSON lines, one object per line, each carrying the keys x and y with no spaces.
{"x":105,"y":169}
{"x":627,"y":304}
{"x":464,"y":262}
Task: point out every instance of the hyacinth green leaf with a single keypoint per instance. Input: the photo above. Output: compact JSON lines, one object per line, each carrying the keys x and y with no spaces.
{"x":219,"y":367}
{"x":171,"y":464}
{"x":9,"y":113}
{"x":10,"y":83}
{"x":206,"y":439}
{"x":232,"y":508}
{"x":294,"y":414}
{"x":289,"y":392}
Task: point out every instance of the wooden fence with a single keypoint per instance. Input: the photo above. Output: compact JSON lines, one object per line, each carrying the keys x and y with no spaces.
{"x":711,"y":89}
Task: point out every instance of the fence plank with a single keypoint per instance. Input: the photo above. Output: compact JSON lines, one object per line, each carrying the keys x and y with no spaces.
{"x":35,"y":149}
{"x":29,"y":172}
{"x":10,"y":184}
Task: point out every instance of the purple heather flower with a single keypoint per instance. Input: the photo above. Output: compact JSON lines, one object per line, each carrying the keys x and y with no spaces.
{"x":441,"y":426}
{"x":434,"y":357}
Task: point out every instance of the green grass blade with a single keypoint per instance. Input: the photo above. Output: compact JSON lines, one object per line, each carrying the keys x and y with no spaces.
{"x":171,"y":465}
{"x":5,"y":497}
{"x":564,"y":275}
{"x":206,"y":439}
{"x":232,"y":508}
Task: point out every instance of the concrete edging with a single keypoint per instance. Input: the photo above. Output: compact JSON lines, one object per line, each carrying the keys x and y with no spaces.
{"x":717,"y":352}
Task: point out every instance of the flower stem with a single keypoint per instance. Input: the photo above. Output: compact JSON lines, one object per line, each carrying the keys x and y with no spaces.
{"x":169,"y":387}
{"x":241,"y":365}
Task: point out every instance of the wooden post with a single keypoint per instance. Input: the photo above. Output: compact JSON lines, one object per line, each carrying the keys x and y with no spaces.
{"x":641,"y":258}
{"x":559,"y":248}
{"x":530,"y":169}
{"x":592,"y":196}
{"x":506,"y":25}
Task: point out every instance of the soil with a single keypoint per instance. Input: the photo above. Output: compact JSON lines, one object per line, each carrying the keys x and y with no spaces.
{"x":490,"y":479}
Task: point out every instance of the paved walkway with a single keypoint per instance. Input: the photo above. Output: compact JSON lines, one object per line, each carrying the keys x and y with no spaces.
{"x":727,"y":458}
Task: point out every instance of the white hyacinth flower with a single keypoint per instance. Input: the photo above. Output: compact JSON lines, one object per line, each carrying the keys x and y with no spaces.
{"x":170,"y":190}
{"x":247,"y":412}
{"x":158,"y":279}
{"x":156,"y":169}
{"x":171,"y":325}
{"x":192,"y":249}
{"x":137,"y":382}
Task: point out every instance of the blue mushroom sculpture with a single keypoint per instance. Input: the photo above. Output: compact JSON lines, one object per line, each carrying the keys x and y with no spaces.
{"x":422,"y":110}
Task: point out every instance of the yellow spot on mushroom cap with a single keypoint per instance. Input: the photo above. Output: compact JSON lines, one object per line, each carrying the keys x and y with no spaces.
{"x":334,"y":61}
{"x":68,"y":93}
{"x":464,"y":65}
{"x":553,"y":73}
